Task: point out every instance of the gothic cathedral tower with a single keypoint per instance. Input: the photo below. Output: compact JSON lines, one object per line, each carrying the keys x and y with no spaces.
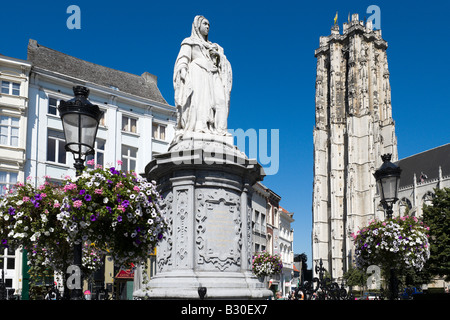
{"x":354,"y":127}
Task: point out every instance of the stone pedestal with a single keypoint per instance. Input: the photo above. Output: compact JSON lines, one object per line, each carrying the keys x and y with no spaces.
{"x":206,"y":183}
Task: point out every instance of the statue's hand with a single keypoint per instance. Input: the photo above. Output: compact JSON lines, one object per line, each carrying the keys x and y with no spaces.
{"x":183,"y":74}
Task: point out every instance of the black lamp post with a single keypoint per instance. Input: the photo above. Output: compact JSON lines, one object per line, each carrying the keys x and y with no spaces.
{"x":388,"y":178}
{"x":80,"y":119}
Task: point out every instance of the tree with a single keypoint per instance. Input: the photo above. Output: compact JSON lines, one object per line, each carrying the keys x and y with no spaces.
{"x":437,"y":217}
{"x":356,"y":277}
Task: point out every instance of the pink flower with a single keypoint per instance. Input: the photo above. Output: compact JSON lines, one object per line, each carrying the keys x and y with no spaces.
{"x":119,"y":162}
{"x":26,"y":199}
{"x":70,"y":186}
{"x":98,"y":191}
{"x":121,"y":208}
{"x":91,"y":162}
{"x":41,"y":187}
{"x":43,"y":195}
{"x":77,"y":203}
{"x":136,"y":188}
{"x":56,"y":205}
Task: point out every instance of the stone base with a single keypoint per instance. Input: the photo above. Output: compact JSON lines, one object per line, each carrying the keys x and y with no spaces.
{"x":219,"y":286}
{"x":207,"y":188}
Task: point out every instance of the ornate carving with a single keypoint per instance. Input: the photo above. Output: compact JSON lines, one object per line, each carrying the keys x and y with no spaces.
{"x":181,"y":228}
{"x":218,"y":229}
{"x":165,"y":246}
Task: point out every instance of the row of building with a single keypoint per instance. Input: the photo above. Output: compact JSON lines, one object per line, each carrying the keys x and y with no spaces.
{"x":137,"y":124}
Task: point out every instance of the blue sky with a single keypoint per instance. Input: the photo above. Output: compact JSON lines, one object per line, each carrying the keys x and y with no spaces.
{"x":270,"y":45}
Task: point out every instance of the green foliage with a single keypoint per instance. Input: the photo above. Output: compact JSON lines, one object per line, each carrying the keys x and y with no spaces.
{"x":356,"y":277}
{"x":437,"y":217}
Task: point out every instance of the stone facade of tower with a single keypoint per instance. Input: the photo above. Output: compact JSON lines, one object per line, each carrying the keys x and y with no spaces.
{"x":354,"y":127}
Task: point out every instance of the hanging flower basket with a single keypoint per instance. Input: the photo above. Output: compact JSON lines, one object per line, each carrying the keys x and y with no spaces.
{"x":117,"y":211}
{"x":264,"y":264}
{"x":401,"y":242}
{"x":111,"y":212}
{"x":28,"y":220}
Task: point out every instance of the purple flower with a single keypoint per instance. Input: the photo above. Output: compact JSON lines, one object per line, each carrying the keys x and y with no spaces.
{"x":113,"y":170}
{"x":125,"y":203}
{"x":11,"y":211}
{"x":119,"y":218}
{"x":109,"y":209}
{"x":37,"y":196}
{"x":160,"y":236}
{"x":82,"y":191}
{"x":87,"y":197}
{"x":93,"y":217}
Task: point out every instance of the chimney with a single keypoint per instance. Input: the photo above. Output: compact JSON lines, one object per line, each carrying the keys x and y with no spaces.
{"x":150,"y":78}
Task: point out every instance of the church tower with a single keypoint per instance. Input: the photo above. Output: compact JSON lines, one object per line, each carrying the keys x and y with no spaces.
{"x":354,"y":127}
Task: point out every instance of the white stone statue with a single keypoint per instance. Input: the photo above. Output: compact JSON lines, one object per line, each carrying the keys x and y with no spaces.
{"x":202,"y":81}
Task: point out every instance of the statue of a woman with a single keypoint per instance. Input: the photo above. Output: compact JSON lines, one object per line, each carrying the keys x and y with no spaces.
{"x":202,"y":82}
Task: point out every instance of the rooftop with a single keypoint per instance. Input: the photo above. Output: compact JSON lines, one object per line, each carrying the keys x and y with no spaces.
{"x":144,"y":86}
{"x":426,"y":163}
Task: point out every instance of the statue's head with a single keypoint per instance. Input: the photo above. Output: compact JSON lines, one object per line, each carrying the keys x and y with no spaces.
{"x":200,"y":27}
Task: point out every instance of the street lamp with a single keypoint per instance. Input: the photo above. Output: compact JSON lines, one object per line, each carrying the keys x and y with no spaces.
{"x":388,"y":178}
{"x":80,"y":119}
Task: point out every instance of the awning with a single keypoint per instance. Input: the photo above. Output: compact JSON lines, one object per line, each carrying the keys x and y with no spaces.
{"x":127,"y":274}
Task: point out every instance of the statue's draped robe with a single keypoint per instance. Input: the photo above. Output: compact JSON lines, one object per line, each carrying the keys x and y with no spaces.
{"x":203,"y":98}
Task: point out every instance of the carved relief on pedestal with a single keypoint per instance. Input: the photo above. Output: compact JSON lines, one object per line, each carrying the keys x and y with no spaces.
{"x":165,"y":246}
{"x":218,"y":229}
{"x":181,"y":231}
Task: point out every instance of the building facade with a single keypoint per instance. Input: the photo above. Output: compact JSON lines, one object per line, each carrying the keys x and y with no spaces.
{"x":259,"y":219}
{"x":137,"y":122}
{"x":354,"y":127}
{"x":272,"y":232}
{"x":286,"y":239}
{"x":14,"y":80}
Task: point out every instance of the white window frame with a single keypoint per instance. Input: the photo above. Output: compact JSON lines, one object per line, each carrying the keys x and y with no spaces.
{"x":102,"y":121}
{"x":9,"y":86}
{"x":56,"y":107}
{"x":6,"y":255}
{"x":60,"y":142}
{"x":128,"y":158}
{"x":10,"y":128}
{"x":158,"y":134}
{"x":97,"y":152}
{"x":129,"y":121}
{"x":4,"y":185}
